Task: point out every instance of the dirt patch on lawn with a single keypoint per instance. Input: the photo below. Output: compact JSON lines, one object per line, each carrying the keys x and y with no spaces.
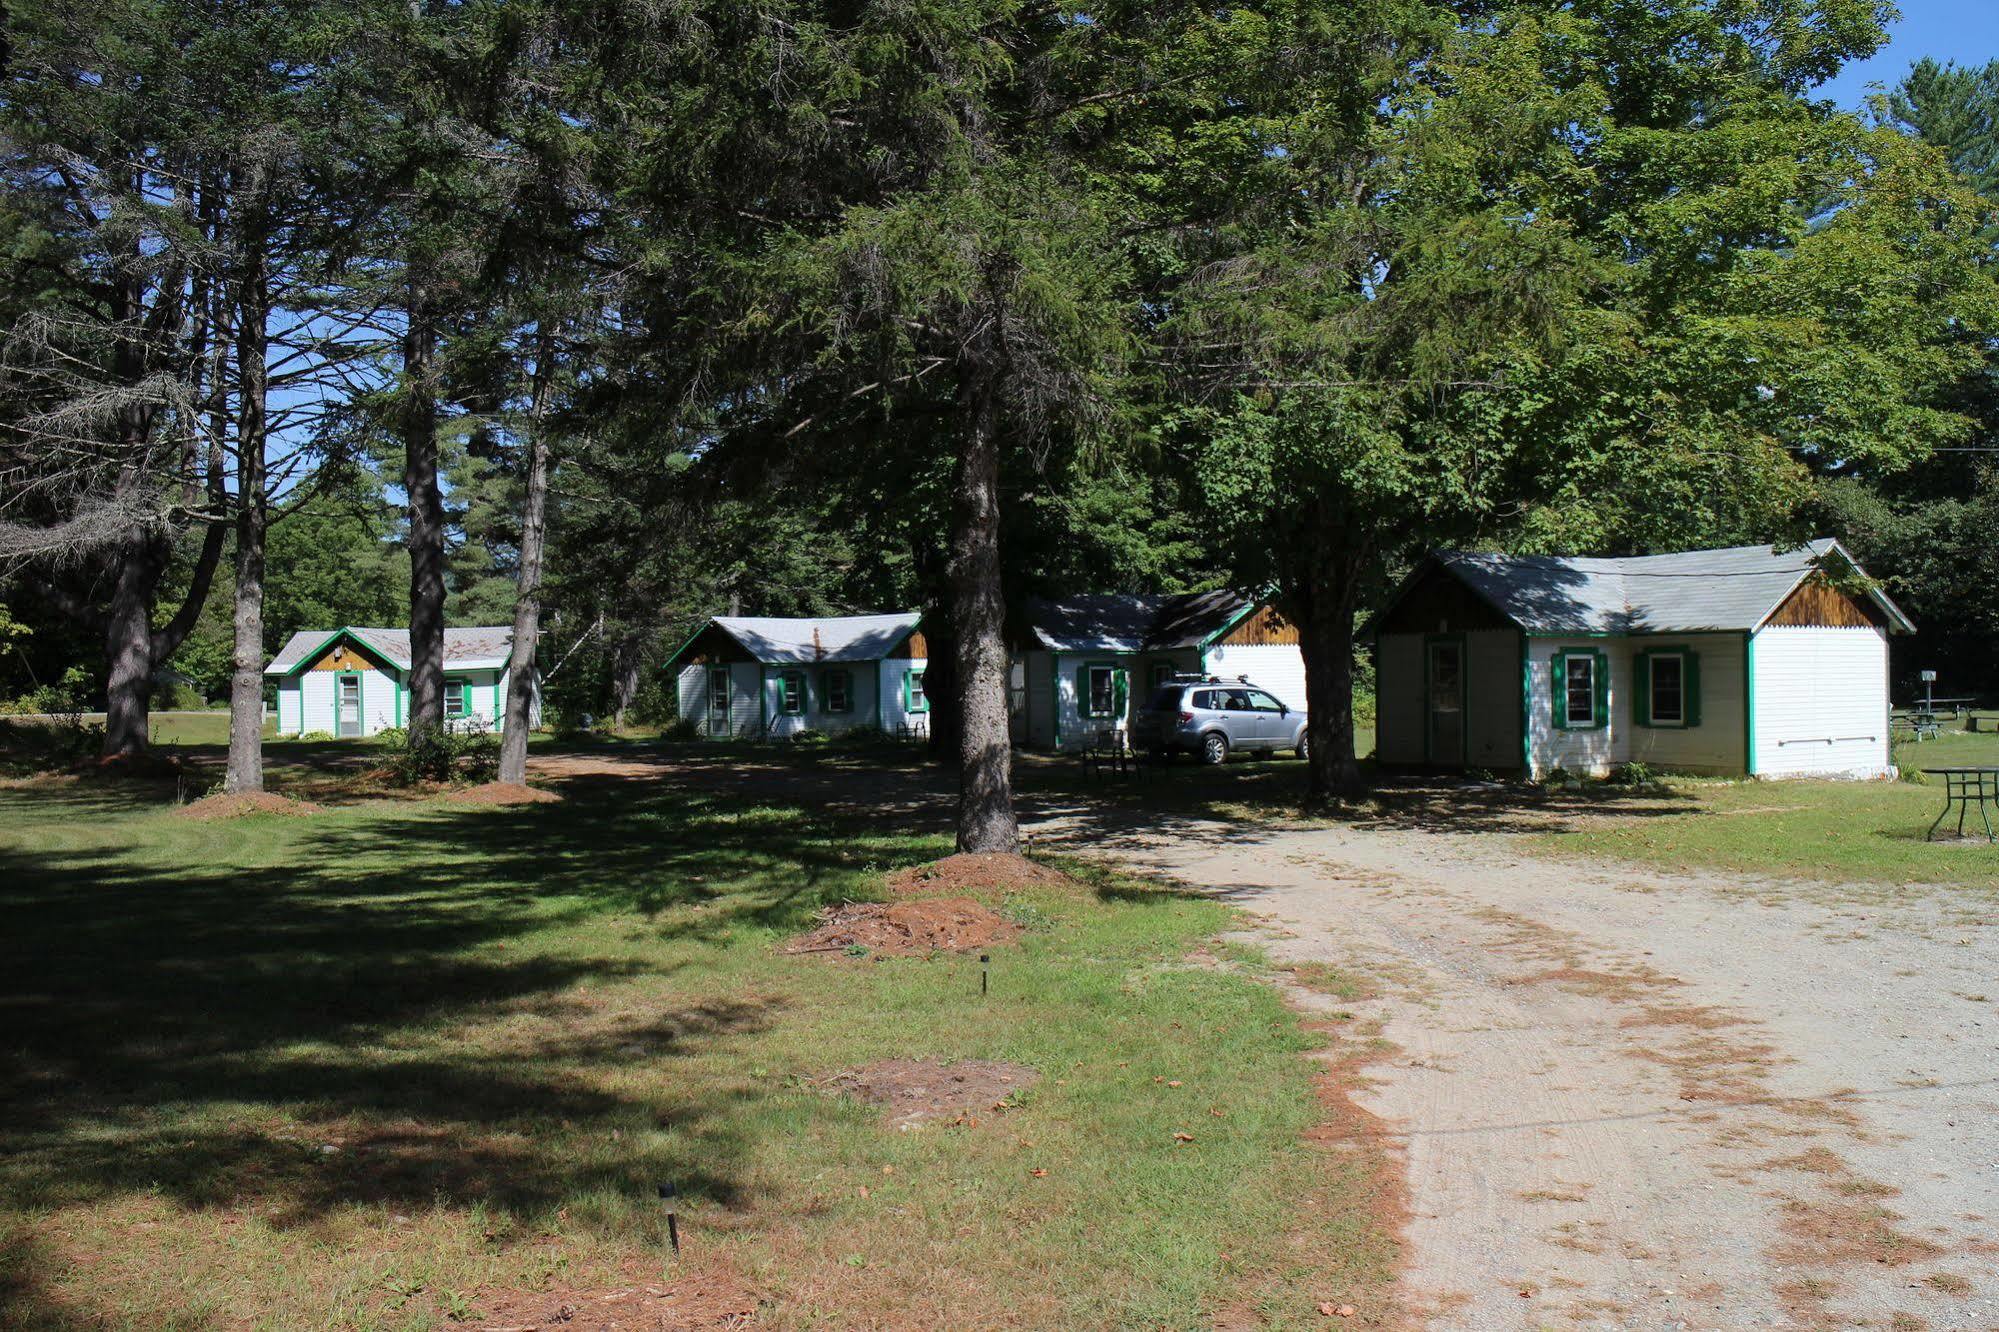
{"x":503,"y":793}
{"x":912,"y":1091}
{"x":235,"y":806}
{"x":907,"y":929}
{"x":718,"y":1299}
{"x":974,"y":874}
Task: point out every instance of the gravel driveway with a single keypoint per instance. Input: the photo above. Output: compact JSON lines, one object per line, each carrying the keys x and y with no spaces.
{"x":1634,"y":1100}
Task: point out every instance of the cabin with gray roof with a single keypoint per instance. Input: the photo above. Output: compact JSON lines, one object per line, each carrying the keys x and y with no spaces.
{"x":1083,"y":664}
{"x":354,"y":681}
{"x":757,"y":677}
{"x":1746,"y":660}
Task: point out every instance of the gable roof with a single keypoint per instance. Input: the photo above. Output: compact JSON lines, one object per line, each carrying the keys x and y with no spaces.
{"x":471,"y":648}
{"x":1119,"y":622}
{"x":1732,"y":589}
{"x":815,"y":639}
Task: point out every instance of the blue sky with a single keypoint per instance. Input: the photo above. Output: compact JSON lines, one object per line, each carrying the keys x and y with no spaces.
{"x":1966,"y":31}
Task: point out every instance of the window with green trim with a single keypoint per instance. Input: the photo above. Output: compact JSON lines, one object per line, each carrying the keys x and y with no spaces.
{"x":1666,"y":684}
{"x":838,"y":690}
{"x":1580,"y":683}
{"x":457,"y":699}
{"x":913,"y":697}
{"x":1098,"y":692}
{"x":1157,"y":676}
{"x":791,"y":693}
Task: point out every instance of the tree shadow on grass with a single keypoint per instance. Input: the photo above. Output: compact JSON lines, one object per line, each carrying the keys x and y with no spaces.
{"x":200,"y":1025}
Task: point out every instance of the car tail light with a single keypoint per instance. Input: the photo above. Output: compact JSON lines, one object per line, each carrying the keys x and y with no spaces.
{"x":1186,"y":716}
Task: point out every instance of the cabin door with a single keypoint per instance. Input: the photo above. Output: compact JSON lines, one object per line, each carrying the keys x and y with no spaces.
{"x":347,"y":704}
{"x":1446,"y":702}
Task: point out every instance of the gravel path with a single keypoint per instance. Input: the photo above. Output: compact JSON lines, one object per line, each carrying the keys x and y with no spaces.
{"x":1634,"y":1100}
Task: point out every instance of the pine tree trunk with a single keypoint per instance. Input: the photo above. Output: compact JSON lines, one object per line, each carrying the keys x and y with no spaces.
{"x":128,"y":645}
{"x":426,"y":515}
{"x":527,"y":596}
{"x":985,"y":777}
{"x":627,"y":662}
{"x":246,"y":678}
{"x":1327,"y":603}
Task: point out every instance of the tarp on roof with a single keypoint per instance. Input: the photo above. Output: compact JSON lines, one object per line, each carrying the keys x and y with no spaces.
{"x":470,"y":648}
{"x":1124,"y":623}
{"x":1694,"y":591}
{"x":829,"y":638}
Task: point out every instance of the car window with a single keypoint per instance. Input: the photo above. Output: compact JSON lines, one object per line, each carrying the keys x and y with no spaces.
{"x":1205,"y":700}
{"x":1166,"y":699}
{"x":1263,"y":702}
{"x":1237,"y":700}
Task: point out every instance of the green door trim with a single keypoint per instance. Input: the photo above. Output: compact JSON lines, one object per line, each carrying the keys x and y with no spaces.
{"x":1749,"y":703}
{"x":360,"y":705}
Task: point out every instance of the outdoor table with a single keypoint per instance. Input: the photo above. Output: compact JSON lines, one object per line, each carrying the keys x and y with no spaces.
{"x":1964,"y":787}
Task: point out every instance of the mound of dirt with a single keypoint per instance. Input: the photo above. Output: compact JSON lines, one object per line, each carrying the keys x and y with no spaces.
{"x":969,"y":872}
{"x":913,"y":1090}
{"x":244,"y":802}
{"x":504,"y":793}
{"x":694,"y":1300}
{"x":907,"y":929}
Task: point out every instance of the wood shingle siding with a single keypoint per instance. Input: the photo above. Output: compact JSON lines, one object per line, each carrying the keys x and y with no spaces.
{"x":1818,"y":603}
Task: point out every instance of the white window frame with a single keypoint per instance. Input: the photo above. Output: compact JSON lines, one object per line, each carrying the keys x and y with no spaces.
{"x":784,"y":697}
{"x":455,"y":690}
{"x":1589,"y":721}
{"x":1089,"y":699}
{"x":839,"y":697}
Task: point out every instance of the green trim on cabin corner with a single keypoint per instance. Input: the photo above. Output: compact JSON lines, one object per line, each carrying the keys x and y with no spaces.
{"x":1749,"y":704}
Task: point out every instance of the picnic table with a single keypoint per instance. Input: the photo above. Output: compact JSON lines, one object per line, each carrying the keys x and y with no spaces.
{"x":1965,"y":787}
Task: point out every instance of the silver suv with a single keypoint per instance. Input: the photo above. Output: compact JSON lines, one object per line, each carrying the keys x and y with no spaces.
{"x":1212,"y":717}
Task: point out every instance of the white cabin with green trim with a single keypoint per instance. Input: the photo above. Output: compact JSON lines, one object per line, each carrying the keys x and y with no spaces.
{"x":1745,"y":660}
{"x":748,"y":677}
{"x":354,"y":681}
{"x":1083,"y":665}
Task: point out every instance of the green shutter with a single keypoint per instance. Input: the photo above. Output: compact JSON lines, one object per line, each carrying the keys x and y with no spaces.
{"x":905,"y":690}
{"x":1641,"y":689}
{"x":465,"y":698}
{"x":1559,"y":677}
{"x":1120,"y":691}
{"x":1602,"y":717}
{"x":1083,"y":703}
{"x":1690,"y":688}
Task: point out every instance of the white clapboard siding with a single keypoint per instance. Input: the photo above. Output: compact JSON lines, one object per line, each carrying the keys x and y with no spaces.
{"x":1821,"y":702}
{"x":1715,"y":745}
{"x":1595,"y":751}
{"x":890,"y":679}
{"x":1276,"y":668}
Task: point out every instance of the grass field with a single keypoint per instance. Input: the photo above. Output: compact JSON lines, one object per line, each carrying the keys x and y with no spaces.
{"x":1868,"y":832}
{"x":379,"y":1067}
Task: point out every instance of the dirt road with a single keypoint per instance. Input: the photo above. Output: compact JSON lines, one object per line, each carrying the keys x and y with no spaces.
{"x":1630,"y":1100}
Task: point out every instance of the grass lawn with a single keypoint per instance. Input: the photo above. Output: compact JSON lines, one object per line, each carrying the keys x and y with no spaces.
{"x":377,"y":1067}
{"x":1866,"y":832}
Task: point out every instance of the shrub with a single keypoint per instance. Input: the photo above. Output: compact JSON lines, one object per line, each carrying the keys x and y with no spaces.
{"x":318,"y":735}
{"x":430,"y":754}
{"x":1633,"y":773}
{"x":682,"y":728}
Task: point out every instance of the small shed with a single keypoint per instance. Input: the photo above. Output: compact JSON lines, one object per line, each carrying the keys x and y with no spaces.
{"x":1082,"y":664}
{"x":752,"y":676}
{"x":1742,"y":660}
{"x":354,"y":681}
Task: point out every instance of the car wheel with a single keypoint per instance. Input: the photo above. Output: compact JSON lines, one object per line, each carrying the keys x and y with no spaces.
{"x":1304,"y":745}
{"x":1214,"y":748}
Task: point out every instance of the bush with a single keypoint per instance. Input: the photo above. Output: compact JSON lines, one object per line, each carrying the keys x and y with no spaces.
{"x":1633,"y":773}
{"x":318,"y":735}
{"x":682,"y":728}
{"x":433,"y":755}
{"x":67,"y":697}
